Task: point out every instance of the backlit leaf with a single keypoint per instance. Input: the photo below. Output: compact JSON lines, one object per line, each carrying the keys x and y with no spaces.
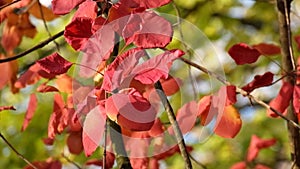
{"x":186,"y":116}
{"x":93,"y":129}
{"x":230,"y":123}
{"x":282,"y":100}
{"x":156,"y":68}
{"x":32,"y":105}
{"x":61,"y":7}
{"x":54,"y":64}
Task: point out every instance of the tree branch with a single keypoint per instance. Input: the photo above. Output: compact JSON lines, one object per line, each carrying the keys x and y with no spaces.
{"x":18,"y":154}
{"x":38,"y":46}
{"x":172,"y":118}
{"x":6,"y":5}
{"x":241,"y":91}
{"x":288,"y":64}
{"x":118,"y":144}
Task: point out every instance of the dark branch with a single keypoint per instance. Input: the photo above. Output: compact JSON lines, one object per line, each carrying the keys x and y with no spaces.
{"x":18,"y":154}
{"x":40,"y":45}
{"x":6,"y":5}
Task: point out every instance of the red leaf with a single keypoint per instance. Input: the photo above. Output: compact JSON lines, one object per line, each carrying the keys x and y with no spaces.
{"x":296,"y":99}
{"x":228,"y":93}
{"x":48,"y":164}
{"x":256,"y":145}
{"x":148,"y":30}
{"x":30,"y":111}
{"x":282,"y":100}
{"x":87,"y":9}
{"x":121,"y":68}
{"x":54,"y":64}
{"x":156,"y":68}
{"x":61,"y":7}
{"x":267,"y":49}
{"x":2,"y":108}
{"x":186,"y":116}
{"x":242,"y":54}
{"x":31,"y":76}
{"x":239,"y":165}
{"x":147,"y":4}
{"x":110,"y":159}
{"x":74,"y":142}
{"x":230,"y":123}
{"x":260,"y":166}
{"x":297,"y":39}
{"x":55,"y":117}
{"x":131,"y":111}
{"x":171,"y":152}
{"x":93,"y":129}
{"x":78,"y":31}
{"x":43,"y":88}
{"x":203,"y":110}
{"x":259,"y":81}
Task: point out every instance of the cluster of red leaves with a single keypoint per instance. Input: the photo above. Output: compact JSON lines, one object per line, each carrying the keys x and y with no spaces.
{"x":256,"y":144}
{"x":244,"y":54}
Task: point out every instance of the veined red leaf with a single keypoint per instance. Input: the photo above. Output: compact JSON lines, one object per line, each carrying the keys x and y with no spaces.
{"x":186,"y":116}
{"x":32,"y":105}
{"x":87,"y":9}
{"x":2,"y":108}
{"x":259,"y":81}
{"x":296,"y":99}
{"x":78,"y":31}
{"x":229,"y":124}
{"x":243,"y":54}
{"x":131,"y":111}
{"x":282,"y":100}
{"x":54,"y":64}
{"x":148,"y":30}
{"x":93,"y":129}
{"x":156,"y":68}
{"x":61,"y":7}
{"x":267,"y":49}
{"x":239,"y":165}
{"x":120,"y":69}
{"x":256,"y":145}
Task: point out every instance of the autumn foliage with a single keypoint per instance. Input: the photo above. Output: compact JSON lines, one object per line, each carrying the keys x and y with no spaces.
{"x":114,"y":40}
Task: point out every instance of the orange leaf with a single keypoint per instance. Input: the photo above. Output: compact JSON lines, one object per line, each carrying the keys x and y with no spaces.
{"x":47,"y":13}
{"x":230,"y":123}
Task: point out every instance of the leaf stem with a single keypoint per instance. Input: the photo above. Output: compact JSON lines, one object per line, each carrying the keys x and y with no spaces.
{"x":18,"y":154}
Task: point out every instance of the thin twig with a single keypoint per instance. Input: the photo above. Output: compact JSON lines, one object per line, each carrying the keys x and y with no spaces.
{"x":197,"y":162}
{"x":96,"y":71}
{"x":105,"y":143}
{"x":18,"y":154}
{"x":38,"y":46}
{"x":241,"y":91}
{"x":45,"y":24}
{"x":184,"y":46}
{"x":70,"y":161}
{"x":6,"y":5}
